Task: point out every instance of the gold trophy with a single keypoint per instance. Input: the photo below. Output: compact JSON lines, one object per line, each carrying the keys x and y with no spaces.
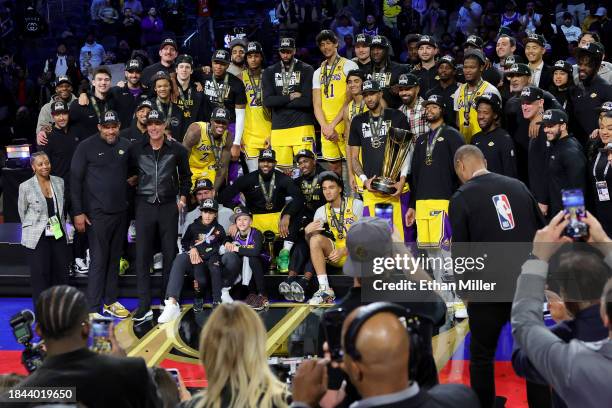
{"x":268,"y":238}
{"x":396,"y":151}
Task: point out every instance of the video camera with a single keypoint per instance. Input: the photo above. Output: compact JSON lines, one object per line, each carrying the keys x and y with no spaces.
{"x":33,"y":355}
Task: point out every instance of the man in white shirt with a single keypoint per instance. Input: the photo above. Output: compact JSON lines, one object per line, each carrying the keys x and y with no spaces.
{"x":469,"y":17}
{"x":571,"y":32}
{"x":92,"y":55}
{"x":530,"y":20}
{"x":541,"y":73}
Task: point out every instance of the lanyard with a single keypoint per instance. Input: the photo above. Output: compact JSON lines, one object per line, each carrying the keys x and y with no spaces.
{"x":468,"y":102}
{"x":96,"y":108}
{"x":220,"y":93}
{"x":431,"y":144}
{"x":267,"y":193}
{"x":375,"y":130}
{"x":338,"y":223}
{"x":217,"y":148}
{"x":328,"y":75}
{"x":605,"y":173}
{"x":243,"y":241}
{"x":286,"y":76}
{"x":182,"y":94}
{"x":354,"y":110}
{"x":256,"y":85}
{"x":160,"y":107}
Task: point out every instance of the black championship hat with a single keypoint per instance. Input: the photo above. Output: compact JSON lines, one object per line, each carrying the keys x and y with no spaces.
{"x":59,"y":107}
{"x":535,"y":38}
{"x":447,"y":59}
{"x":491,"y":99}
{"x":156,"y":116}
{"x":435,"y":100}
{"x":220,"y":114}
{"x":254,"y":48}
{"x":563,"y":66}
{"x":518,"y":70}
{"x":379,"y":41}
{"x":363,"y":39}
{"x":286,"y":44}
{"x":473,"y":41}
{"x":267,"y":154}
{"x":144,"y":104}
{"x":553,"y":117}
{"x":133,"y":65}
{"x":531,"y":94}
{"x":209,"y":205}
{"x":427,"y":40}
{"x":63,"y":79}
{"x":239,"y":211}
{"x":184,"y":59}
{"x":109,"y":118}
{"x":408,"y":81}
{"x":168,"y":41}
{"x":606,"y":107}
{"x":594,"y":48}
{"x":305,"y":153}
{"x":222,"y":56}
{"x":370,"y":86}
{"x":202,"y":184}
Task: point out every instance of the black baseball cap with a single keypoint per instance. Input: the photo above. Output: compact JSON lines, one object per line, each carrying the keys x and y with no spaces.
{"x":473,"y":41}
{"x":593,"y":48}
{"x":379,"y":41}
{"x":59,"y":107}
{"x":237,"y":42}
{"x":305,"y":153}
{"x":531,"y":94}
{"x":184,"y":59}
{"x":563,"y":66}
{"x":553,"y":117}
{"x":286,"y":43}
{"x":63,"y":79}
{"x":220,"y":114}
{"x":447,"y":59}
{"x":156,"y":116}
{"x":370,"y":86}
{"x":254,"y":48}
{"x":363,"y":39}
{"x":427,"y":40}
{"x":267,"y":155}
{"x":168,"y":41}
{"x":160,"y":75}
{"x":476,"y":53}
{"x":222,"y":56}
{"x":435,"y":100}
{"x":239,"y":211}
{"x":491,"y":99}
{"x":518,"y":70}
{"x":536,"y":38}
{"x":209,"y":205}
{"x":133,"y":65}
{"x":202,"y":184}
{"x":408,"y":81}
{"x":509,"y":61}
{"x":110,"y":117}
{"x":606,"y":107}
{"x":144,"y":104}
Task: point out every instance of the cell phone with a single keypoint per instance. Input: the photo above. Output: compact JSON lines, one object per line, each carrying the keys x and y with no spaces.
{"x":573,"y":204}
{"x":332,"y":329}
{"x":384,"y":211}
{"x":100,"y":340}
{"x":175,"y":374}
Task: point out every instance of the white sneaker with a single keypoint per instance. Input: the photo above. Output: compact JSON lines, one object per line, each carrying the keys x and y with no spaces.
{"x":158,"y":261}
{"x":460,"y":310}
{"x":132,"y":231}
{"x":225,"y":296}
{"x":322,"y":296}
{"x":80,"y":266}
{"x":171,"y":312}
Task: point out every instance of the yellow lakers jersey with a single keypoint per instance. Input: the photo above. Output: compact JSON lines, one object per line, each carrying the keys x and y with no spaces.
{"x":468,"y":123}
{"x":349,"y":218}
{"x":354,"y":109}
{"x":333,"y":98}
{"x":202,"y":157}
{"x":257,"y":121}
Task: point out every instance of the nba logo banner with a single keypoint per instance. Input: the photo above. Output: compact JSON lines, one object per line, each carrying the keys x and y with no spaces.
{"x":504,"y":212}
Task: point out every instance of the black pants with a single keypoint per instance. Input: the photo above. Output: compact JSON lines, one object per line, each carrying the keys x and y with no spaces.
{"x":486,"y":323}
{"x":206,"y":273}
{"x":48,"y":264}
{"x":105,"y":235}
{"x":232,"y":267}
{"x":151,"y":218}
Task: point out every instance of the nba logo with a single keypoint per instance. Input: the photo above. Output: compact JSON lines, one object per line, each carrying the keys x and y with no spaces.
{"x":504,"y":212}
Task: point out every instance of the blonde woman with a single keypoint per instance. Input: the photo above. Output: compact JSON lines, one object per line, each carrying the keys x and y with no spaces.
{"x":232,"y":351}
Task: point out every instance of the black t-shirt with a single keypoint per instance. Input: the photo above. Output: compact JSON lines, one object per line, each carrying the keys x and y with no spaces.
{"x":125,"y":103}
{"x":133,"y":134}
{"x":437,"y":180}
{"x":191,"y":103}
{"x":60,"y":147}
{"x":427,"y":78}
{"x":148,"y":72}
{"x":537,"y":166}
{"x":232,"y":94}
{"x":567,"y":170}
{"x":85,"y":118}
{"x":311,"y":190}
{"x":373,"y":146}
{"x":498,"y":150}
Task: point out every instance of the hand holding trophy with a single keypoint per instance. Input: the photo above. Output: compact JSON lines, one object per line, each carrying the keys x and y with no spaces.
{"x":396,"y":151}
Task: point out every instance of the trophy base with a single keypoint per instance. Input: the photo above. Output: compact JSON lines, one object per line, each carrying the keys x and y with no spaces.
{"x":384,"y":185}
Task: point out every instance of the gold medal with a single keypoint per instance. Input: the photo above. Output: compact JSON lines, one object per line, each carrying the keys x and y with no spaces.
{"x":340,"y":236}
{"x":269,"y":206}
{"x":187,"y":114}
{"x":428,"y":161}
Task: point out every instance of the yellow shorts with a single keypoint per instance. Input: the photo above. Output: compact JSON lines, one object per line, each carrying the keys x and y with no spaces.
{"x":371,"y":199}
{"x":266,"y":222}
{"x":206,"y":172}
{"x":253,"y":144}
{"x":287,"y":142}
{"x":333,"y":151}
{"x":338,"y":244}
{"x":430,"y":218}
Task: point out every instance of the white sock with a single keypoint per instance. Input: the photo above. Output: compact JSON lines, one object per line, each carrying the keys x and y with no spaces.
{"x":323,"y":283}
{"x":252,"y":164}
{"x":287,"y":245}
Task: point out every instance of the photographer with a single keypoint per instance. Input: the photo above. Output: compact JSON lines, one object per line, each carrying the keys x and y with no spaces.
{"x":99,"y":380}
{"x":579,"y":372}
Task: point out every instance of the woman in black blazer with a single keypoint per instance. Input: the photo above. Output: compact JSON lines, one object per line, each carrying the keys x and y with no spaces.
{"x":601,"y":172}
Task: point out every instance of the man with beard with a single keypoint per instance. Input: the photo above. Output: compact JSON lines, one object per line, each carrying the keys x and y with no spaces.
{"x":203,"y":189}
{"x":368,"y":137}
{"x":329,"y":98}
{"x":224,"y":90}
{"x":63,"y":92}
{"x":425,"y":70}
{"x":266,"y":192}
{"x":489,"y":73}
{"x":287,"y":92}
{"x":385,"y":71}
{"x":362,"y":52}
{"x":189,"y":98}
{"x":466,"y":94}
{"x":356,"y":105}
{"x":162,"y":170}
{"x":130,"y":94}
{"x":605,"y":69}
{"x":137,"y":131}
{"x":89,"y":110}
{"x":237,"y":50}
{"x":567,"y":163}
{"x":168,"y":51}
{"x":494,"y":142}
{"x":411,"y":41}
{"x":293,"y":289}
{"x":412,"y":104}
{"x":98,"y":174}
{"x":162,"y":101}
{"x":587,"y":99}
{"x":209,"y":148}
{"x":446,"y":87}
{"x":541,"y":73}
{"x":257,"y":122}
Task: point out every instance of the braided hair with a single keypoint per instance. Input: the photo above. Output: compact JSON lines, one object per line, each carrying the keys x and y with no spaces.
{"x":59,"y":310}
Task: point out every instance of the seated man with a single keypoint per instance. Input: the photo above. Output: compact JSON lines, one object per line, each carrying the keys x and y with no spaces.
{"x":242,"y":255}
{"x":326,"y":235}
{"x":200,"y":255}
{"x":202,"y":190}
{"x":266,"y":192}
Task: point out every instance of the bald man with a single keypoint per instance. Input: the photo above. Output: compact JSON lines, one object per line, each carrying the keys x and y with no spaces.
{"x":489,"y":207}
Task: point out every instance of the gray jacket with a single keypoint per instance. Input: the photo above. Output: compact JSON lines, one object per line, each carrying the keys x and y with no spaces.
{"x":44,"y":117}
{"x":32,"y":208}
{"x":580,"y":372}
{"x":605,"y":72}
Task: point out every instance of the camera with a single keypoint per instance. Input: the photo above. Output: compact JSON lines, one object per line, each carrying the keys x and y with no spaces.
{"x":33,"y":353}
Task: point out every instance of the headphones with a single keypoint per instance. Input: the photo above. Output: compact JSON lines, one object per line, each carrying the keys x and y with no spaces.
{"x":411,"y":321}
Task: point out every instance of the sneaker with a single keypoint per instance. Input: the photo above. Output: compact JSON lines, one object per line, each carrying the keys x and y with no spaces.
{"x":132,"y":231}
{"x":158,"y":261}
{"x":80,"y":266}
{"x":283,"y":260}
{"x":123,"y":265}
{"x":258,"y":302}
{"x":116,"y":310}
{"x":323,"y":296}
{"x":95,"y":315}
{"x":171,"y":312}
{"x":285,"y":290}
{"x":142,"y":314}
{"x":460,"y":310}
{"x":198,"y":304}
{"x":298,"y":289}
{"x":225,"y":296}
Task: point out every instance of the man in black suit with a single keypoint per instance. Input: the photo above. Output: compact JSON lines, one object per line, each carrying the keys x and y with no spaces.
{"x":100,"y":380}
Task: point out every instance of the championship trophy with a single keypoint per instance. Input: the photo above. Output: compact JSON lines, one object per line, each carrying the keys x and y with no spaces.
{"x":268,"y":238}
{"x":396,"y":151}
